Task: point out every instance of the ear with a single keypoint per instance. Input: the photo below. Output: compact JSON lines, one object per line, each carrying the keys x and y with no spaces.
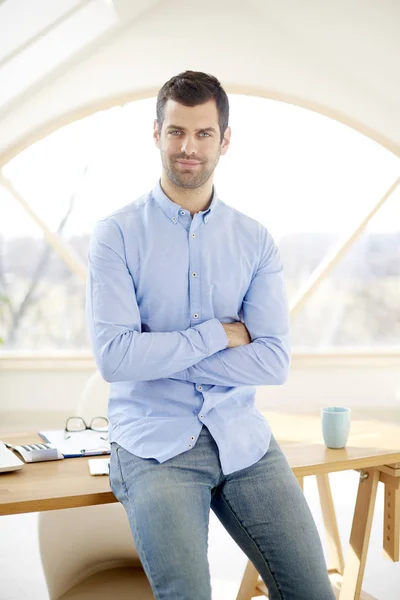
{"x":156,"y":133}
{"x":226,"y":141}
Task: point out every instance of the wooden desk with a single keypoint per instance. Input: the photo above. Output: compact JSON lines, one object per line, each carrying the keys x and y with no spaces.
{"x":50,"y":485}
{"x":373,"y":448}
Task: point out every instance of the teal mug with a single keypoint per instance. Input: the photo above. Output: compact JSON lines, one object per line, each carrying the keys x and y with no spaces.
{"x":335,"y":426}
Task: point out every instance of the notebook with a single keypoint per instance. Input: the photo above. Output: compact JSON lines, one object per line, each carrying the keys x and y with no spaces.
{"x":79,"y":443}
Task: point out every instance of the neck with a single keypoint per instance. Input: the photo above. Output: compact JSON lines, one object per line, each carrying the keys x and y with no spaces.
{"x":193,"y":200}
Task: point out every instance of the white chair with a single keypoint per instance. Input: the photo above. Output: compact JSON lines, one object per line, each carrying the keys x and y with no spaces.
{"x":88,"y":553}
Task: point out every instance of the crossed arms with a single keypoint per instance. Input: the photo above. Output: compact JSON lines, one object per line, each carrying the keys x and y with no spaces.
{"x":211,"y":353}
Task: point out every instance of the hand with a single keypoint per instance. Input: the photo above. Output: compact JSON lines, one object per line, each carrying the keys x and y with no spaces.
{"x":237,"y":334}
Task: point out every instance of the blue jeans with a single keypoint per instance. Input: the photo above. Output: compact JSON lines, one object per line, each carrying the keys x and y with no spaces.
{"x":262,"y":507}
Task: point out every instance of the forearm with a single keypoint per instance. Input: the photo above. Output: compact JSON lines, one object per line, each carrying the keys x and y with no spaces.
{"x":263,"y":362}
{"x":126,"y":355}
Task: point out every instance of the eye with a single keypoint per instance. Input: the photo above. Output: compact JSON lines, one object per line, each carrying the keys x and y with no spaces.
{"x":174,"y":132}
{"x":204,"y":133}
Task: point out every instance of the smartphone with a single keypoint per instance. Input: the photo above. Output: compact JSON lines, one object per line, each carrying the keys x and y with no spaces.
{"x":99,"y":466}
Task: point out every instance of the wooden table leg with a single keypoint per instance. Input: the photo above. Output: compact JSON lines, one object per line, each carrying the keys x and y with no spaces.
{"x":249,"y":582}
{"x":391,"y":517}
{"x":335,"y":554}
{"x":360,"y":534}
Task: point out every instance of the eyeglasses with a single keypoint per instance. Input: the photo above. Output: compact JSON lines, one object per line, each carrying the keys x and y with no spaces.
{"x":76,"y":424}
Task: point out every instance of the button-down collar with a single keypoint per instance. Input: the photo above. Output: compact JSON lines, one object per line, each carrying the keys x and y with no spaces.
{"x":173,"y":210}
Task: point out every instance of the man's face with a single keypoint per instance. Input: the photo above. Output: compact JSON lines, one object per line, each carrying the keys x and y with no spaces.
{"x":190,"y":142}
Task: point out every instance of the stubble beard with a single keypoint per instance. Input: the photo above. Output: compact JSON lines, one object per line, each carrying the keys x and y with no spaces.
{"x":187,"y":179}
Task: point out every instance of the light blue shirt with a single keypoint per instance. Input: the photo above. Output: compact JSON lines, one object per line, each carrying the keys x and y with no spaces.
{"x":160,"y":283}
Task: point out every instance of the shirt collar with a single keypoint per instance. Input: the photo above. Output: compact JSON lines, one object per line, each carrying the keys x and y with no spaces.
{"x":172,"y":209}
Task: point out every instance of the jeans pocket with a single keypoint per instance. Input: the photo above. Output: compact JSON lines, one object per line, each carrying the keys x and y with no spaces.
{"x":116,"y":478}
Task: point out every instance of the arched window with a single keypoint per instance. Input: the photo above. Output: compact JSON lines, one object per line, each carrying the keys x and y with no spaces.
{"x":310,"y":180}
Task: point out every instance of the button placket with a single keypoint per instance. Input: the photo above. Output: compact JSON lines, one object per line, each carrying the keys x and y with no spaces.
{"x":194,"y":276}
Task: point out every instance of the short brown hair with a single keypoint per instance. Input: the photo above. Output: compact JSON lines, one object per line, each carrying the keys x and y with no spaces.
{"x":191,"y":88}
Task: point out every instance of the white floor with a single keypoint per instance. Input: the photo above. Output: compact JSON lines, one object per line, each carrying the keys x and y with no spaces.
{"x":21,"y":576}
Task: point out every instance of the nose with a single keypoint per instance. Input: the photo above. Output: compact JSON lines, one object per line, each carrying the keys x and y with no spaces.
{"x":188,"y":145}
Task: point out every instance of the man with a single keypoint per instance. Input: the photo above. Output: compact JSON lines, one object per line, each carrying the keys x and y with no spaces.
{"x":187,"y":313}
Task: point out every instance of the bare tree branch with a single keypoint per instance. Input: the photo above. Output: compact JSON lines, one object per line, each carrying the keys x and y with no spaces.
{"x":47,"y":252}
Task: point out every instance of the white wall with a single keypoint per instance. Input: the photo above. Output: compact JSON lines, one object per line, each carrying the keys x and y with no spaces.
{"x":37,"y":391}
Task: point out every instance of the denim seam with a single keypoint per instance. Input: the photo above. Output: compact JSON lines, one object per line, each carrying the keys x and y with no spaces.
{"x":145,"y":561}
{"x":120,"y":472}
{"x":254,"y":542}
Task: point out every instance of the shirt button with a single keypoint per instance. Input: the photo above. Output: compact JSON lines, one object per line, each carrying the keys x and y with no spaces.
{"x":195,"y":316}
{"x":194,"y":274}
{"x":201,"y":416}
{"x":190,"y":445}
{"x":193,"y":235}
{"x":199,"y":387}
{"x":192,"y":437}
{"x":174,"y":219}
{"x":183,"y":212}
{"x":206,"y":219}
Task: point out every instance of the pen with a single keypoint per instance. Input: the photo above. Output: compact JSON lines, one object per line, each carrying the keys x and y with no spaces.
{"x":97,"y":450}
